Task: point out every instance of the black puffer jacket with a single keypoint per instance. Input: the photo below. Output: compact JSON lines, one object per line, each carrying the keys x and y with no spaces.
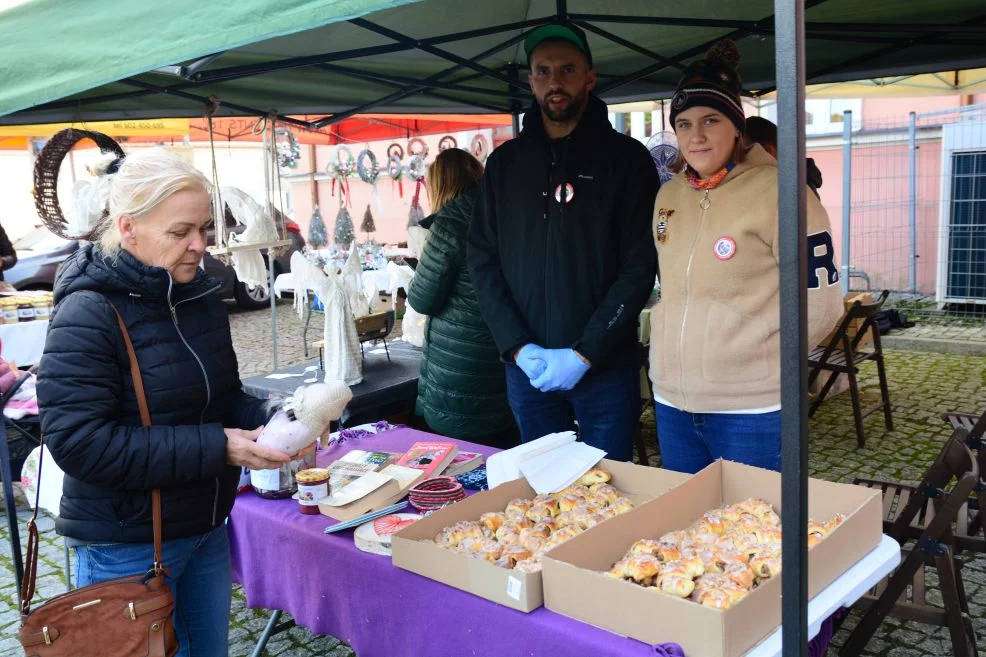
{"x":569,"y":271}
{"x":89,"y":412}
{"x":462,"y":390}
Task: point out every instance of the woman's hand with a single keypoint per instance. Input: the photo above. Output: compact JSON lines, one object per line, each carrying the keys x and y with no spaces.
{"x":242,"y":450}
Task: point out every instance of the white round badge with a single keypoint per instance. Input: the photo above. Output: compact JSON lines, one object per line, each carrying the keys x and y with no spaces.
{"x":564,"y":193}
{"x":725,"y":248}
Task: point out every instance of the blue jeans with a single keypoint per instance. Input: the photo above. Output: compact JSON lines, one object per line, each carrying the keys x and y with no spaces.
{"x":606,"y":405}
{"x":200,"y":580}
{"x":691,"y":441}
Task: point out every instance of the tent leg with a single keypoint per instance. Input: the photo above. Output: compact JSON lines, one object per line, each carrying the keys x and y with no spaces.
{"x":273,"y":306}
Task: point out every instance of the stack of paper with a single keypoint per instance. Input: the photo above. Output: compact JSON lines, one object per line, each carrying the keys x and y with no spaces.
{"x":549,"y":464}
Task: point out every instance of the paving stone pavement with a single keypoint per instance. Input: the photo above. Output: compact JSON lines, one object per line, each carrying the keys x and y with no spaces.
{"x":921,"y":386}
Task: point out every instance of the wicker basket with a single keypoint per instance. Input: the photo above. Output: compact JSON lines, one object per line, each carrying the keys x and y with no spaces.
{"x":46,"y":176}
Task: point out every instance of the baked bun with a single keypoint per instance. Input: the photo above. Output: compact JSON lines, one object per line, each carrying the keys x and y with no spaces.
{"x":517,"y":508}
{"x":532,"y":565}
{"x":594,"y":476}
{"x":679,"y":586}
{"x":493,"y":520}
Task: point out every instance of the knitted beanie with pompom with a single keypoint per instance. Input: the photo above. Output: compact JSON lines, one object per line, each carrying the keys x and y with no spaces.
{"x":712,"y":82}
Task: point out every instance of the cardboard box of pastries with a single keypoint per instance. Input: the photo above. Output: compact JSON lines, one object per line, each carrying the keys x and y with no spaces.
{"x":415,"y":549}
{"x":585,"y":579}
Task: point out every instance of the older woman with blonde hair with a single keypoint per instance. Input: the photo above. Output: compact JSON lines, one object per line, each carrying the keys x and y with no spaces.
{"x":204,"y":427}
{"x":715,"y":335}
{"x":462,"y":389}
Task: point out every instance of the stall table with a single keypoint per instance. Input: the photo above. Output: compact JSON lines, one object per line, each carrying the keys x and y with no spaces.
{"x":285,"y":562}
{"x":389,"y":386}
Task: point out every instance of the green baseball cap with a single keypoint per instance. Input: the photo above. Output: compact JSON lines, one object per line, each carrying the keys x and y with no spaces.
{"x":564,"y":31}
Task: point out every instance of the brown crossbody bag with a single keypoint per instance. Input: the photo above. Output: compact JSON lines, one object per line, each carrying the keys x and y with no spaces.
{"x":122,"y":617}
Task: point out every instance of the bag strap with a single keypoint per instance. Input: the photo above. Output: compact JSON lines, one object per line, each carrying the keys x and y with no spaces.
{"x":28,"y":584}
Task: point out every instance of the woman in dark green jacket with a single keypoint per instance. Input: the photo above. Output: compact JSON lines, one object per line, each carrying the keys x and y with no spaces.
{"x":462,"y":391}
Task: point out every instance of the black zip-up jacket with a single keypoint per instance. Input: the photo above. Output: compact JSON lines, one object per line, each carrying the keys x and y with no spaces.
{"x":89,"y":413}
{"x":573,"y":274}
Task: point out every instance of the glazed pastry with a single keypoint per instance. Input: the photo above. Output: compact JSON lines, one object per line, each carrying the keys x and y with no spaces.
{"x":608,"y":512}
{"x":516,"y":553}
{"x":622,"y":504}
{"x":606,"y":491}
{"x":493,"y":520}
{"x":680,"y":586}
{"x":488,"y":550}
{"x":713,"y":522}
{"x":568,"y":502}
{"x":536,"y":544}
{"x":739,"y":574}
{"x":552,"y":506}
{"x":539,"y":513}
{"x":711,"y":581}
{"x":577,"y":490}
{"x":766,"y":565}
{"x":532,"y":565}
{"x":503,"y":562}
{"x":715,"y":598}
{"x":590,"y":520}
{"x":769,"y":536}
{"x":562,"y":535}
{"x":642,"y":568}
{"x":645,"y":546}
{"x":595,"y":501}
{"x":675,"y":538}
{"x":619,"y":569}
{"x":564,"y":519}
{"x":594,"y":476}
{"x":517,"y":508}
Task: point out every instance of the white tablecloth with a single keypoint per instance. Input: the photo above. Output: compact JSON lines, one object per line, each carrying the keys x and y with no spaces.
{"x":24,"y":342}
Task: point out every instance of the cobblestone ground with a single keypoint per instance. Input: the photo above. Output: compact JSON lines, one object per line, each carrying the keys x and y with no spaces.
{"x":921,"y":386}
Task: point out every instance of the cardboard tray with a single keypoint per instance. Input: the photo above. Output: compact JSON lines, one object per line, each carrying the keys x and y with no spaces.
{"x":414,"y":550}
{"x":575,"y":585}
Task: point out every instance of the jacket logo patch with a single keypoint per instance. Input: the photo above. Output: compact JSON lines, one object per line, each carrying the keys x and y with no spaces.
{"x":725,"y":248}
{"x":661,"y":229}
{"x":821,"y":255}
{"x":582,"y":176}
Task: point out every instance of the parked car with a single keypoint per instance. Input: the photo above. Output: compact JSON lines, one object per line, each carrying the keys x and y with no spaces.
{"x":40,"y":252}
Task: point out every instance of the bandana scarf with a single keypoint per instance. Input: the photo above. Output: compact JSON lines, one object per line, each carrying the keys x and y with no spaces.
{"x":707,"y":183}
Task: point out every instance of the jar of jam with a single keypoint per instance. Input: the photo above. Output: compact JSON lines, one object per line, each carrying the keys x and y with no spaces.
{"x":25,"y":311}
{"x":313,"y":485}
{"x":40,"y":310}
{"x":9,"y":312}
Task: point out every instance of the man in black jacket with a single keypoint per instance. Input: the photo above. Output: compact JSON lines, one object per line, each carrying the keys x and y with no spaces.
{"x":561,"y":254}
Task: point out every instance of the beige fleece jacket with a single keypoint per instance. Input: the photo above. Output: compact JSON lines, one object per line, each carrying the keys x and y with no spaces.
{"x":715,"y":335}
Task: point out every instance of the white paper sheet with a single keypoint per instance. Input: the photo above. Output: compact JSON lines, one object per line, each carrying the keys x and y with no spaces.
{"x":505,"y":466}
{"x":282,"y":375}
{"x":561,"y":467}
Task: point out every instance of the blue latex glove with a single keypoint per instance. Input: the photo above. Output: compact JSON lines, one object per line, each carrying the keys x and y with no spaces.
{"x":530,"y":360}
{"x":564,"y":370}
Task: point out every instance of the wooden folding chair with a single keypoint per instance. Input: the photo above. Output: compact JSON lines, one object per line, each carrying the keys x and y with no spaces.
{"x":843,"y":356}
{"x":976,"y":426}
{"x":903,"y":594}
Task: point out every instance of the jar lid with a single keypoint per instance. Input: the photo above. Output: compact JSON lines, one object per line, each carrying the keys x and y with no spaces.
{"x":311,"y":475}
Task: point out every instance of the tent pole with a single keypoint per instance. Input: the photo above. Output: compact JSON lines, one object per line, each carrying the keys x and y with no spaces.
{"x":912,"y":218}
{"x":846,"y":196}
{"x":790,"y":62}
{"x":513,"y":70}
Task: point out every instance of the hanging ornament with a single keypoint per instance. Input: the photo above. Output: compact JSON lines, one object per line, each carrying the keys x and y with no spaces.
{"x":288,"y":150}
{"x":480,"y":148}
{"x":416,"y":170}
{"x":395,"y":150}
{"x":343,"y":235}
{"x":417,"y":147}
{"x":340,"y":170}
{"x":368,"y":225}
{"x":447,"y":142}
{"x":317,"y":233}
{"x":396,"y":171}
{"x":369,"y":172}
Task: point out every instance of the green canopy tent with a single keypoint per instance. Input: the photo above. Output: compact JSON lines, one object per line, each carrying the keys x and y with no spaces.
{"x":117,"y":59}
{"x":113,"y":60}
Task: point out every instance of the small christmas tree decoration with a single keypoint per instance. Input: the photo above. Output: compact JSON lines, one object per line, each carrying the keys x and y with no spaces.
{"x":317,"y":234}
{"x":368,"y":225}
{"x":344,"y":235}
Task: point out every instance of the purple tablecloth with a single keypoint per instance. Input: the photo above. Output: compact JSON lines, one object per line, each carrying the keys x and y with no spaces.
{"x":284,"y":561}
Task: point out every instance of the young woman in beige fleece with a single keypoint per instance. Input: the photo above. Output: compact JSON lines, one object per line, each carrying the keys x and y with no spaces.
{"x":715,"y":336}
